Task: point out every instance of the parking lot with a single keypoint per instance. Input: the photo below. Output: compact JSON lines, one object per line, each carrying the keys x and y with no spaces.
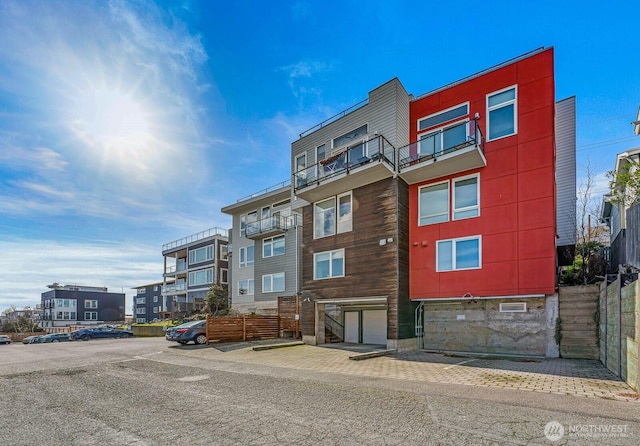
{"x":150,"y":391}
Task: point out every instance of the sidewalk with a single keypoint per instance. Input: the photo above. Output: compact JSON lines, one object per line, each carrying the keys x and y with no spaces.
{"x":561,"y":376}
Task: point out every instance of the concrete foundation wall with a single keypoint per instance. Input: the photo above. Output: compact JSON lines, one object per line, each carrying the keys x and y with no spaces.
{"x":480,"y":327}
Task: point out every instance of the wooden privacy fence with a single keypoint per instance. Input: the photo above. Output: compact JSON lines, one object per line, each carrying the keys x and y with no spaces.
{"x":242,"y":328}
{"x":289,"y":308}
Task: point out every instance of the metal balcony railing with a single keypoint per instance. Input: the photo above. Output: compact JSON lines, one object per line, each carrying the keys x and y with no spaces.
{"x":346,"y":159}
{"x":273,"y":223}
{"x":195,"y":237}
{"x":430,"y":146}
{"x":265,"y":191}
{"x":175,"y":288}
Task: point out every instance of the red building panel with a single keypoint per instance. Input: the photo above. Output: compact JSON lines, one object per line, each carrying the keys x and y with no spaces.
{"x":517,"y":191}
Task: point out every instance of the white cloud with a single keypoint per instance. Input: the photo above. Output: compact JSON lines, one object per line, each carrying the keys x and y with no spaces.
{"x":29,"y":265}
{"x":41,"y":159}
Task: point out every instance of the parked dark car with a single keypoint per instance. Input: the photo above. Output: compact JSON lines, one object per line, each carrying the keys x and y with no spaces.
{"x":4,"y":339}
{"x":31,"y":339}
{"x":99,"y":333}
{"x":195,"y":331}
{"x":52,"y":337}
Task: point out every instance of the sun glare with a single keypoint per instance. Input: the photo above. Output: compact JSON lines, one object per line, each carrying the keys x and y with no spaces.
{"x":116,"y":124}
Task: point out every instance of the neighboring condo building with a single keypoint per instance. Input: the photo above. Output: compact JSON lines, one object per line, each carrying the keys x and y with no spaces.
{"x":491,"y":178}
{"x":192,"y":265}
{"x":67,"y":305}
{"x":147,"y":303}
{"x":266,"y":236}
{"x":355,"y":276}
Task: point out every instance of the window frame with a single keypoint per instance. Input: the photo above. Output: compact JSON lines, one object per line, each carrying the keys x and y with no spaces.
{"x":87,"y":315}
{"x":442,"y":124}
{"x":454,"y":242}
{"x":208,"y":255}
{"x":489,"y":109}
{"x":468,"y":208}
{"x":243,"y":254}
{"x":208,"y":277}
{"x":271,"y":278}
{"x":420,"y":216}
{"x":270,"y":242}
{"x":250,"y":289}
{"x":341,"y":224}
{"x":224,"y":252}
{"x":330,"y":276}
{"x":224,"y":275}
{"x":90,"y":304}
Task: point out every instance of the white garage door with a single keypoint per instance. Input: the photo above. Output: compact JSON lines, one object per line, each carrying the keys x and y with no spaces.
{"x":374,"y":327}
{"x":352,"y":326}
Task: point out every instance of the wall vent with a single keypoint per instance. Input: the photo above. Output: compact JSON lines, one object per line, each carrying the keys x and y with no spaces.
{"x":513,"y":307}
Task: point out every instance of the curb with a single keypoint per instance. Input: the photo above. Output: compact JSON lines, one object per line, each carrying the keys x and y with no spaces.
{"x":369,"y":355}
{"x":272,"y":346}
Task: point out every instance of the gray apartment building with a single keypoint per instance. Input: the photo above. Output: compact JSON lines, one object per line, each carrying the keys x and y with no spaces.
{"x":192,"y":265}
{"x":265,"y":257}
{"x":147,"y":303}
{"x":67,"y":305}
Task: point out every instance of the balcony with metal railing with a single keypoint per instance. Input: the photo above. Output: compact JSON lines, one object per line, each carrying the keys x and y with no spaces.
{"x":447,"y":151}
{"x":346,"y":168}
{"x":174,"y":288}
{"x":185,"y":241}
{"x":273,"y":225}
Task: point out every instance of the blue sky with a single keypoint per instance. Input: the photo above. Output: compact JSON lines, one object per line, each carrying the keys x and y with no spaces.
{"x":126,"y":125}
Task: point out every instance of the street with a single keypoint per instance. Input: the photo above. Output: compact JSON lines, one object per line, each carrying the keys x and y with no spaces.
{"x":148,"y":391}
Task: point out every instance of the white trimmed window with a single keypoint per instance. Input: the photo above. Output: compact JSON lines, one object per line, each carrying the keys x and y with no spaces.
{"x":466,"y":197}
{"x":91,"y":315}
{"x":224,"y":252}
{"x":459,"y":254}
{"x":224,"y":275}
{"x":328,"y":264}
{"x":202,"y":277}
{"x":325,"y":221}
{"x":155,"y":309}
{"x":155,"y":299}
{"x":502,"y":113}
{"x":140,"y":300}
{"x":443,"y":116}
{"x":201,"y":254}
{"x":246,"y":256}
{"x":141,"y":320}
{"x":91,"y":304}
{"x":272,"y":283}
{"x":433,"y":203}
{"x":273,"y":246}
{"x":141,"y":311}
{"x":246,"y":287}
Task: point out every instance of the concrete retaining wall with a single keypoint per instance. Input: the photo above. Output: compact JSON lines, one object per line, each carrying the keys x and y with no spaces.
{"x":479,"y":326}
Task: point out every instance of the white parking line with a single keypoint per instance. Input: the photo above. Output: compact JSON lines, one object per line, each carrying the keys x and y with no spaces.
{"x":460,"y":363}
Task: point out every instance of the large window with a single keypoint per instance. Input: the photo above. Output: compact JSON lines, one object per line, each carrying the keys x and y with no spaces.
{"x":224,"y":275}
{"x":245,"y":287}
{"x":224,"y":252}
{"x":141,"y":311}
{"x":273,"y":246}
{"x":272,"y":283}
{"x":246,"y":255}
{"x":324,"y":218}
{"x":65,"y":315}
{"x":433,"y":205}
{"x":247,"y":219}
{"x":328,"y":264}
{"x":466,"y":197}
{"x":441,"y":117}
{"x":66,"y":303}
{"x":501,"y":113}
{"x":201,"y":277}
{"x":459,"y":254}
{"x":140,"y":300}
{"x":350,"y":137}
{"x":91,"y":304}
{"x":201,"y":254}
{"x":91,"y":315}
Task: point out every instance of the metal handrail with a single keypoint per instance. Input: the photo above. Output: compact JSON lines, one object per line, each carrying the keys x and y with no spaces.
{"x":195,"y":237}
{"x":261,"y":192}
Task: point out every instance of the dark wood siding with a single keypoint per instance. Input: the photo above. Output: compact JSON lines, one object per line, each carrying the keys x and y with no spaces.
{"x":371,"y":269}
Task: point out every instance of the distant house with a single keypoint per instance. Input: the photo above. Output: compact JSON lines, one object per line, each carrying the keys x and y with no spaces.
{"x":147,"y":303}
{"x":192,"y":265}
{"x":623,"y":217}
{"x":67,"y":305}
